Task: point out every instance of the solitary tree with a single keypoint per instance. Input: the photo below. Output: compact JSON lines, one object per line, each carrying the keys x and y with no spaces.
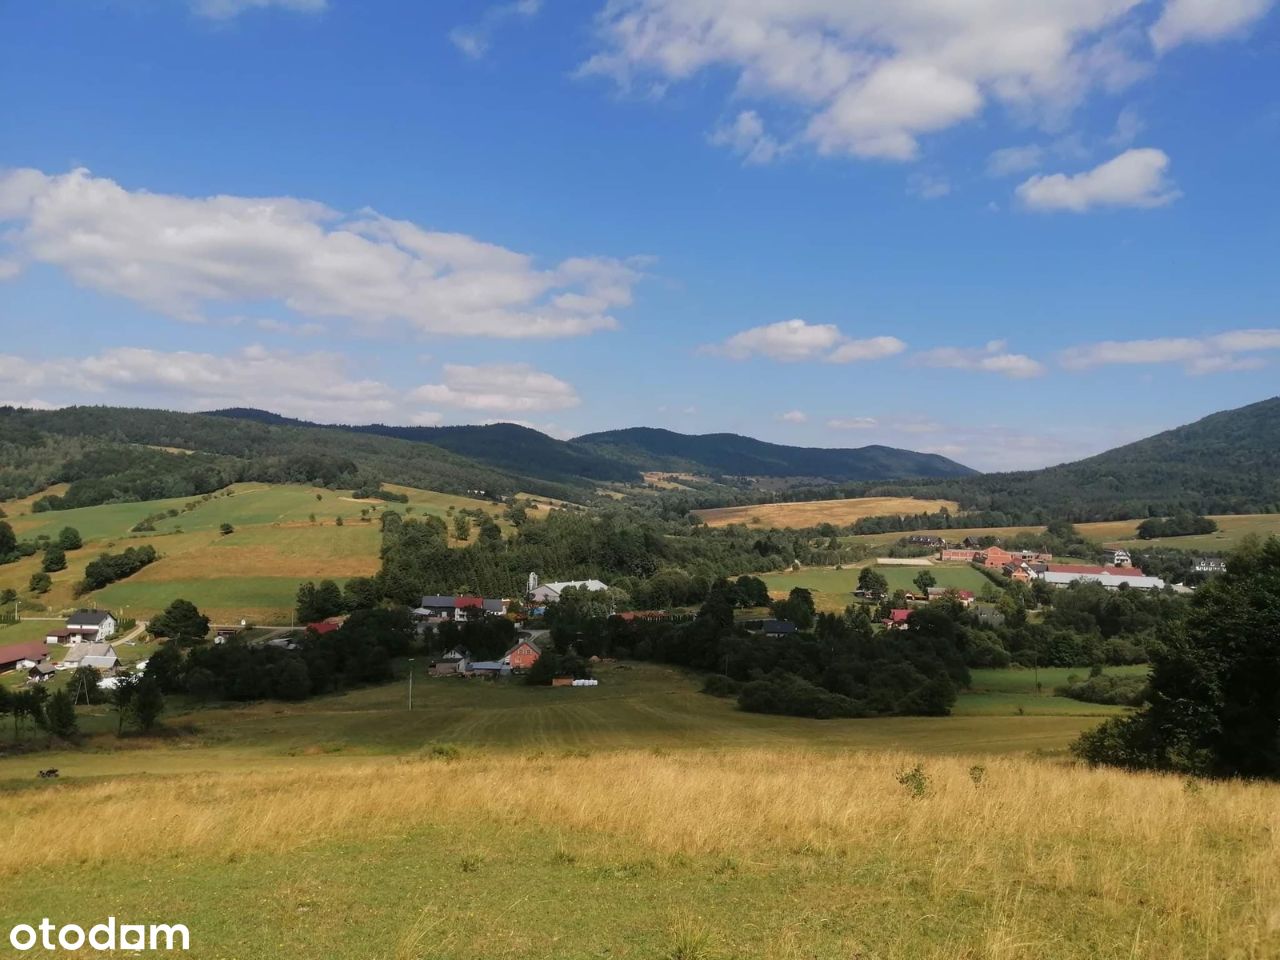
{"x":182,"y":622}
{"x":461,"y":526}
{"x":873,"y":582}
{"x":148,"y":704}
{"x":924,"y":580}
{"x":54,"y":559}
{"x":69,"y":539}
{"x":40,"y":583}
{"x":226,"y":528}
{"x":8,"y":542}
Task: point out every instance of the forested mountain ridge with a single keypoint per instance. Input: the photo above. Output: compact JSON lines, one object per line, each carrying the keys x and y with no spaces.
{"x":1227,"y":462}
{"x":731,"y":454}
{"x":111,"y":454}
{"x":622,"y":455}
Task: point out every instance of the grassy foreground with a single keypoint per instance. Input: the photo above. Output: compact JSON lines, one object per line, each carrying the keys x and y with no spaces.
{"x":695,"y":854}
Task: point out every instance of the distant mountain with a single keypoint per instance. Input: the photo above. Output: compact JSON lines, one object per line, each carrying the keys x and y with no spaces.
{"x":621,"y":455}
{"x":1228,"y":462}
{"x":730,"y":454}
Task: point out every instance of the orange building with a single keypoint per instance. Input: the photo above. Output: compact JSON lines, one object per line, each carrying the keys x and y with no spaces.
{"x":522,"y":656}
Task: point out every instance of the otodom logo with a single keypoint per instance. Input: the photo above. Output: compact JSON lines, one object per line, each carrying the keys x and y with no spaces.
{"x":108,"y":935}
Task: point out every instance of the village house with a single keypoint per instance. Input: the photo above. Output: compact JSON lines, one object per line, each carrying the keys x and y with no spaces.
{"x":897,"y":619}
{"x":21,"y":656}
{"x":460,"y":609}
{"x":923,"y":540}
{"x":1019,"y":572}
{"x":1118,"y":558}
{"x":965,"y":597}
{"x":93,"y":625}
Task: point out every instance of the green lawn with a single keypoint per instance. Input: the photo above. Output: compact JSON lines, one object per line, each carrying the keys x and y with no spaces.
{"x":833,"y":589}
{"x":259,"y":599}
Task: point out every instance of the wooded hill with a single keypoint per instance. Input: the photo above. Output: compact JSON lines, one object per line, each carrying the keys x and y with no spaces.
{"x":1227,"y":462}
{"x":622,"y":455}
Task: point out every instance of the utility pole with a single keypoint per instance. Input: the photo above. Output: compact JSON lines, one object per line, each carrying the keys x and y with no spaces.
{"x":411,"y":683}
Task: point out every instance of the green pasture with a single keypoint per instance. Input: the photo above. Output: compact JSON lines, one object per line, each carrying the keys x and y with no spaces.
{"x":258,"y":599}
{"x":833,"y":589}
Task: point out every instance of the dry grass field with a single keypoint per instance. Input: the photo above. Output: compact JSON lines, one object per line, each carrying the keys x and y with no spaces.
{"x":282,"y":534}
{"x":812,"y":513}
{"x":697,"y":855}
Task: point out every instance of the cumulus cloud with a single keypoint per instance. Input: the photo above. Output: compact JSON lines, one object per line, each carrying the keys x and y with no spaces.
{"x":229,"y":9}
{"x":1135,"y":178}
{"x":794,"y":340}
{"x":793,"y":416}
{"x":312,"y":386}
{"x":992,"y":358}
{"x":746,"y":136}
{"x":508,"y":387}
{"x":1184,"y":21}
{"x":1199,"y":355}
{"x":869,"y":79}
{"x":474,"y":39}
{"x":179,"y":255}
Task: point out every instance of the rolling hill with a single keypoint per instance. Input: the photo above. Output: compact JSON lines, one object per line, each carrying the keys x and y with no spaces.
{"x":622,"y":455}
{"x":1225,"y":463}
{"x":730,"y":454}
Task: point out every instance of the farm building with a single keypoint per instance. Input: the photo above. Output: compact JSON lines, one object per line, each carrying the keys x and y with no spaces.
{"x":1112,"y":581}
{"x":100,"y":656}
{"x":41,"y":672}
{"x":522,"y":656}
{"x":550,"y":592}
{"x":94,"y":625}
{"x":958,"y":554}
{"x":22,"y":656}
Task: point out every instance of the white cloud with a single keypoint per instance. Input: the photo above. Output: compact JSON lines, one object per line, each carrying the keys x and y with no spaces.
{"x":993,"y":358}
{"x":229,"y":9}
{"x":868,"y":78}
{"x":514,"y":387}
{"x":853,"y":423}
{"x":1010,"y":160}
{"x":1135,"y":178}
{"x":1185,"y":21}
{"x":31,"y":403}
{"x":426,"y":418}
{"x":786,"y":340}
{"x":928,"y":186}
{"x":873,"y":348}
{"x":794,"y":340}
{"x":746,"y":136}
{"x":312,"y":386}
{"x":1217,"y":353}
{"x":178,"y":255}
{"x":793,"y":416}
{"x":474,"y":39}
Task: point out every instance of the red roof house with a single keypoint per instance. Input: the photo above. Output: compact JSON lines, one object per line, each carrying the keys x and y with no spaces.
{"x":522,"y":656}
{"x":897,"y":619}
{"x":15,"y":653}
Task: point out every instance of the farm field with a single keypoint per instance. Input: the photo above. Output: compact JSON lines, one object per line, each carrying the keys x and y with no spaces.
{"x":811,"y":513}
{"x":833,"y":589}
{"x":1232,"y":529}
{"x":639,"y":819}
{"x":251,"y":573}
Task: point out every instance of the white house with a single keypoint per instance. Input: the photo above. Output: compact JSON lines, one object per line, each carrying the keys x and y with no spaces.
{"x":93,"y":625}
{"x":550,"y":592}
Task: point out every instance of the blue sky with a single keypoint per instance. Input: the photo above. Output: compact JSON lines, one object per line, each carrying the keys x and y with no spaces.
{"x":1012,"y":233}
